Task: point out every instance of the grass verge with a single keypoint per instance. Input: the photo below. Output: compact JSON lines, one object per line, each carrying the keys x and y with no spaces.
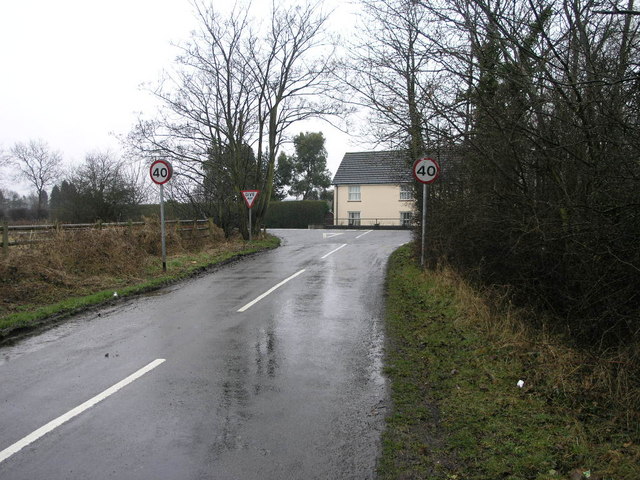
{"x":458,"y":412}
{"x":60,"y":304}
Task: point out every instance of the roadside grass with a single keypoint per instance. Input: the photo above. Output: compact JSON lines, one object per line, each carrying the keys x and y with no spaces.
{"x":457,"y":412}
{"x":40,"y":294}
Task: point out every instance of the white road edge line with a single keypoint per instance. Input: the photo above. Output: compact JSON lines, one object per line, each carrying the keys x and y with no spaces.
{"x":331,"y":235}
{"x":53,"y":424}
{"x":368,"y":231}
{"x":271,"y":290}
{"x":334,"y":251}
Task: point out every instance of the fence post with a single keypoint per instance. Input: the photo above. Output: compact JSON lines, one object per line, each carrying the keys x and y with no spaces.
{"x":5,"y":238}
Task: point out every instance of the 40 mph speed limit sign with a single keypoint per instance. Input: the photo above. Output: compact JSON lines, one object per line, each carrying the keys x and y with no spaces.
{"x":426,"y":170}
{"x":161,"y":172}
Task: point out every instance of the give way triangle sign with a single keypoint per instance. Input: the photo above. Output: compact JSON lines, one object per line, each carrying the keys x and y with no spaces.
{"x":249,"y":196}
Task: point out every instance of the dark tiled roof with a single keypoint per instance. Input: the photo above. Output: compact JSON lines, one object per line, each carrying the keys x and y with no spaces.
{"x":374,"y":168}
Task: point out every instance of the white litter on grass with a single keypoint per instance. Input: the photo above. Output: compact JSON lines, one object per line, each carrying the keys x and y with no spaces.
{"x":115,"y":294}
{"x":520,"y":383}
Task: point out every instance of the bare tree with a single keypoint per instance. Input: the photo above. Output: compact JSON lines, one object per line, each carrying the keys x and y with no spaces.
{"x":293,"y":69}
{"x":38,"y":165}
{"x":237,"y":87}
{"x":541,"y":99}
{"x":104,"y":187}
{"x":4,"y":157}
{"x":552,"y":154}
{"x":389,"y":73}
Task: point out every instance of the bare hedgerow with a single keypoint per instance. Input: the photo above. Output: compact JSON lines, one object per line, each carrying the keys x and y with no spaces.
{"x":111,"y":251}
{"x":77,"y":262}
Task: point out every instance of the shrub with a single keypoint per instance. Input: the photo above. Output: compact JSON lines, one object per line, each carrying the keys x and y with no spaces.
{"x":296,"y":214}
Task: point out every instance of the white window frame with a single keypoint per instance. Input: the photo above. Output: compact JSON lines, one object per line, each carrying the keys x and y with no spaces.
{"x":406,"y":192}
{"x":406,"y":218}
{"x":354,"y":193}
{"x":354,"y":218}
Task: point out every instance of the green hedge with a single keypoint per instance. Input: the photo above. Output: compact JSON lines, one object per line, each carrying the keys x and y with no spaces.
{"x":296,"y":214}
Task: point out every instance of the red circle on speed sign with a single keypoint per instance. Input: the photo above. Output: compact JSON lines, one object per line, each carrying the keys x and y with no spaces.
{"x":426,"y":170}
{"x":161,"y":171}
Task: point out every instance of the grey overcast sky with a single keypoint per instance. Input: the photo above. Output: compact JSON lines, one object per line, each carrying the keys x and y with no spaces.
{"x":71,"y":70}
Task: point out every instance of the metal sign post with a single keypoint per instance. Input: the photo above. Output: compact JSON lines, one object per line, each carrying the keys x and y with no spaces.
{"x":424,"y":222}
{"x":161,"y":172}
{"x":162,"y":229}
{"x":249,"y":199}
{"x":425,"y":171}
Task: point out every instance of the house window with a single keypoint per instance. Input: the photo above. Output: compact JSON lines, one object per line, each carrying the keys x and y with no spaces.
{"x":405,"y":192}
{"x":405,"y":219}
{"x":354,"y":218}
{"x":354,"y":193}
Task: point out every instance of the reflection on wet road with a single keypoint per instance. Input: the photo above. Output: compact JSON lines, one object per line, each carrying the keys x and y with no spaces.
{"x":291,"y":387}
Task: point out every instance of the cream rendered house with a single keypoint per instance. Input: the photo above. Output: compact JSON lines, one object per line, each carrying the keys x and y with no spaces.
{"x":373,"y":188}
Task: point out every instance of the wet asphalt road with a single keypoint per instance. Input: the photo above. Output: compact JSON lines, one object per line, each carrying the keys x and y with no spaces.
{"x":289,"y":388}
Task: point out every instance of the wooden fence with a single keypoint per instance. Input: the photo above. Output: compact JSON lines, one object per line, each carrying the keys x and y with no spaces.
{"x":16,"y":235}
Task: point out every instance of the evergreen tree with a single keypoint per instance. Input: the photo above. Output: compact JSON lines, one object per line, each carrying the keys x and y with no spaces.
{"x":309,"y":177}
